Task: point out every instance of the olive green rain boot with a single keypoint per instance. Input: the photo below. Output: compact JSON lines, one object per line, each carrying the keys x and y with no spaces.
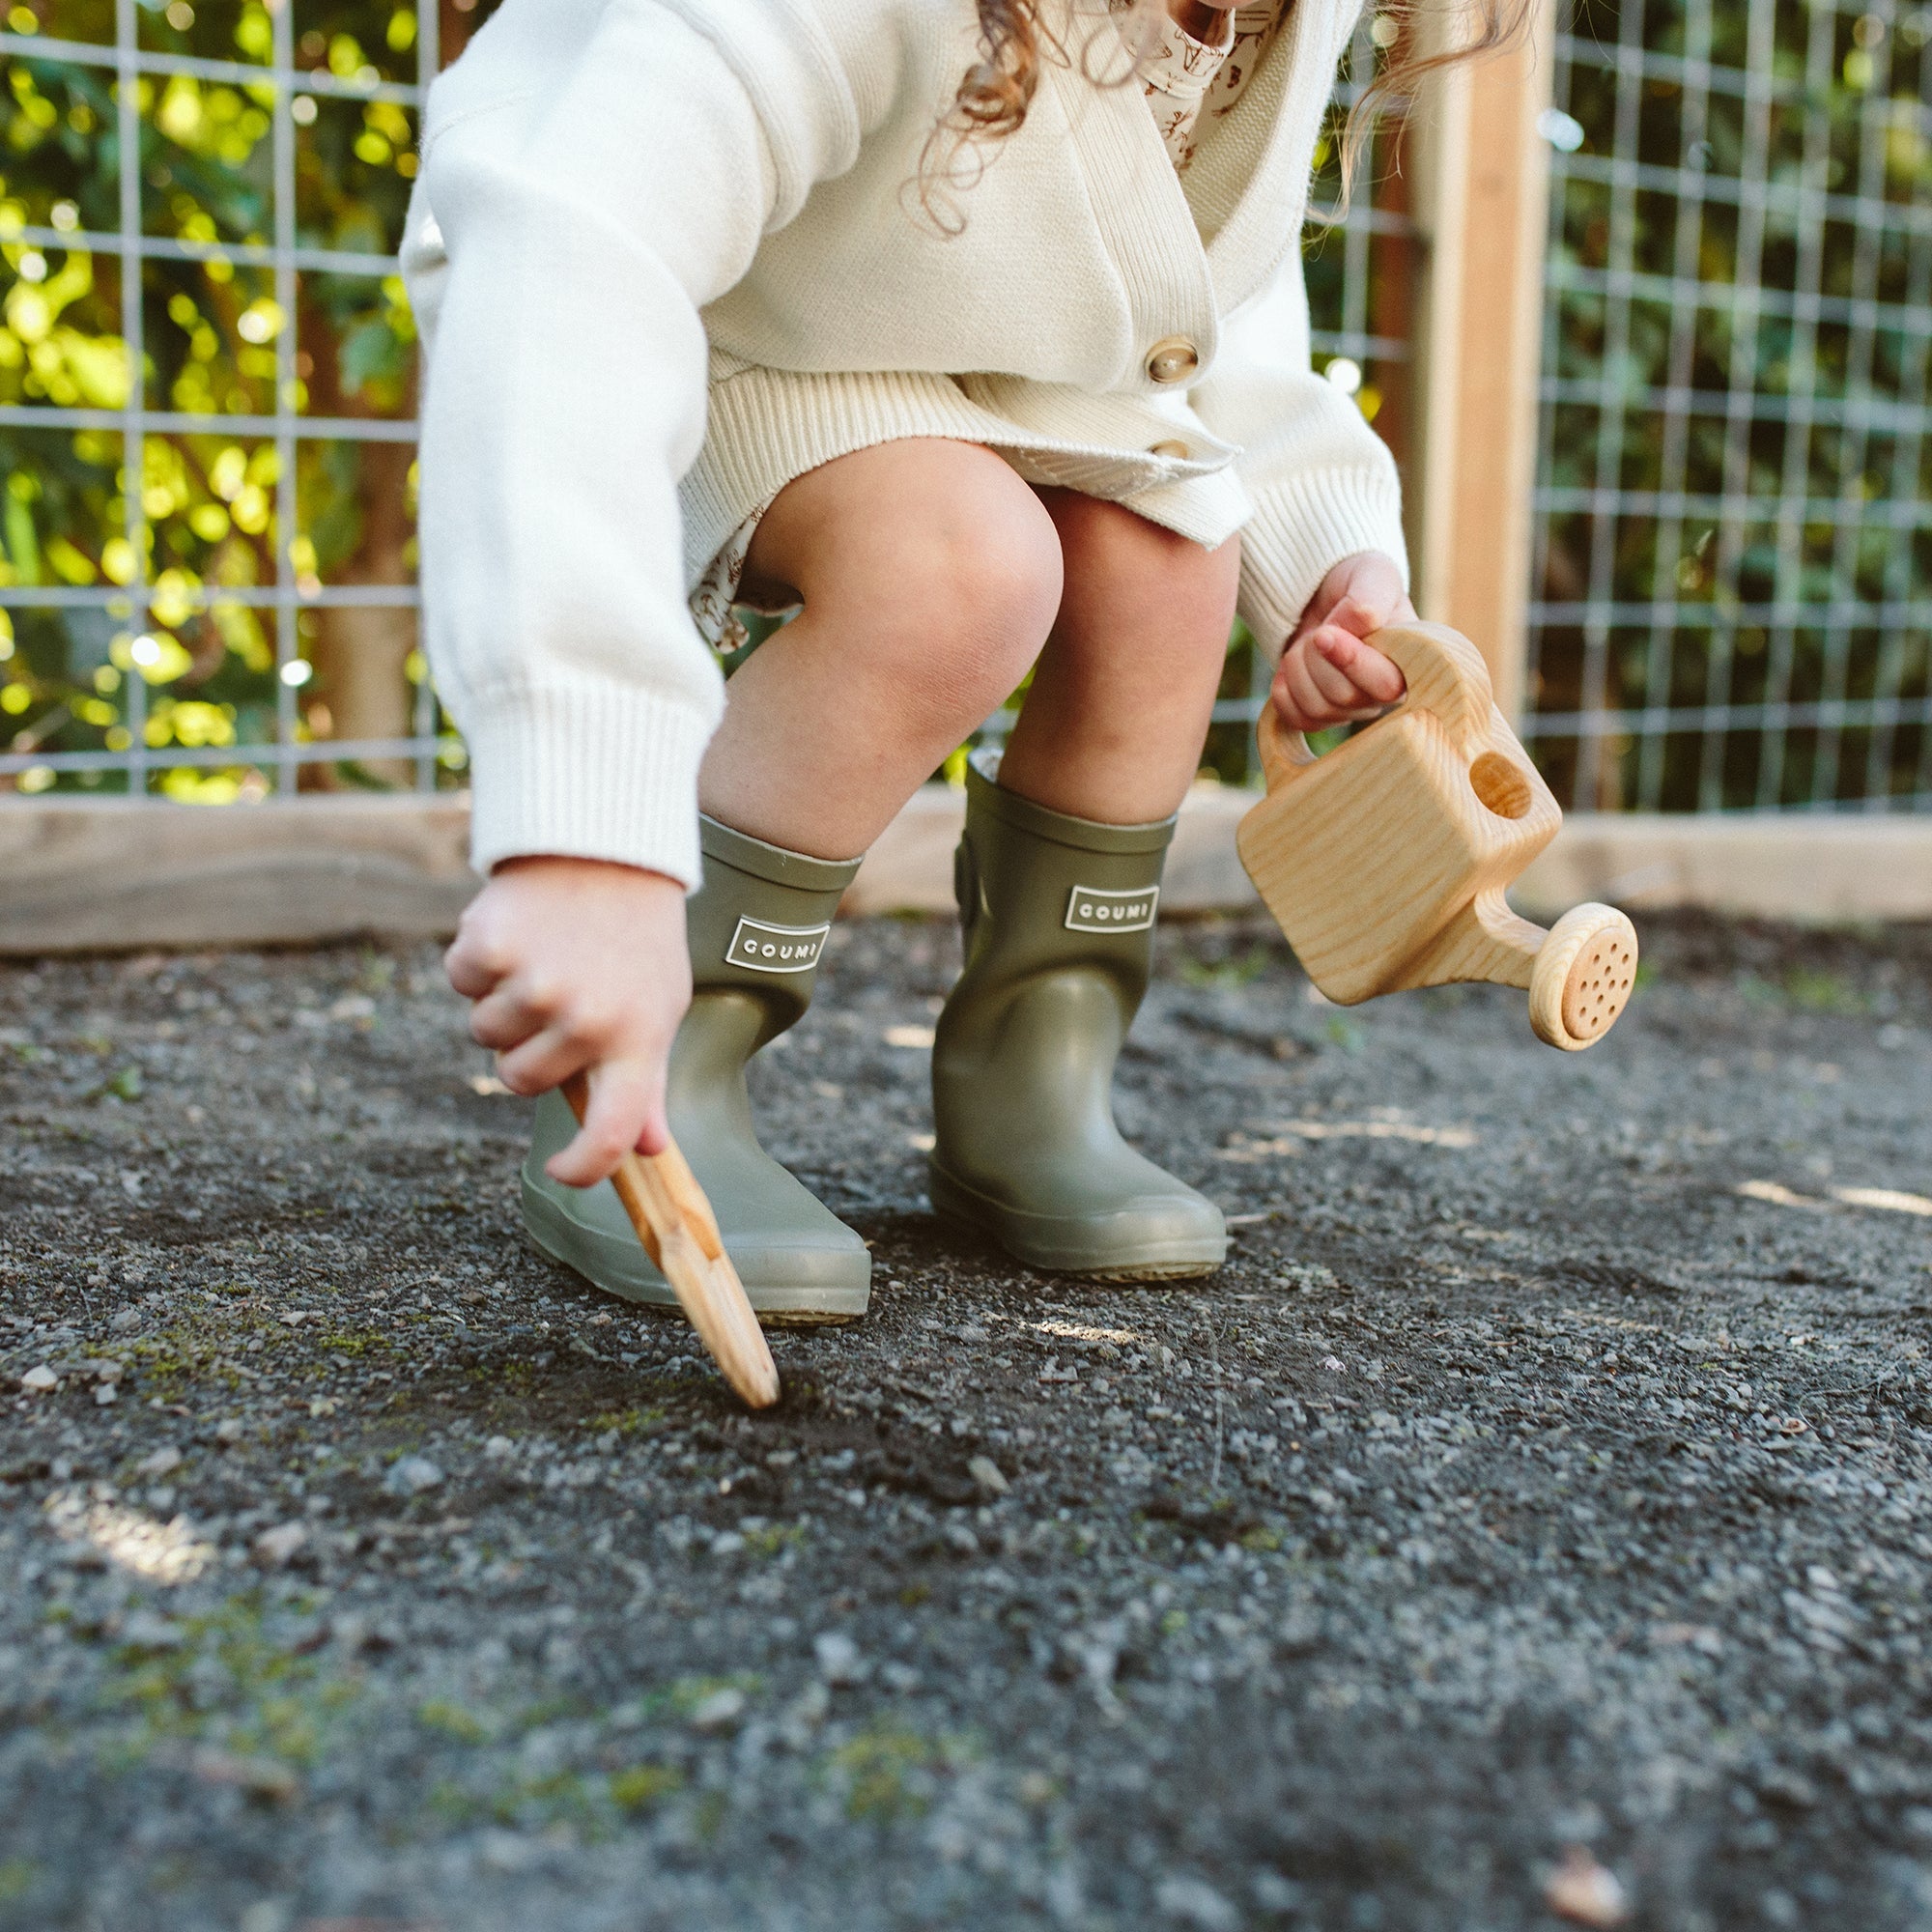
{"x":756,"y":926}
{"x":1059,"y":915}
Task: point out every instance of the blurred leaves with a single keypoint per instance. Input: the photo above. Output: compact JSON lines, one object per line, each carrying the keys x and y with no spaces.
{"x":1772,"y":260}
{"x":215,"y":342}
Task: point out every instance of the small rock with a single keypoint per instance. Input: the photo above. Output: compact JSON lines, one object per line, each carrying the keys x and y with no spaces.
{"x":353,"y":1634}
{"x":145,"y":1629}
{"x":838,"y":1657}
{"x":412,"y":1476}
{"x":109,"y":1372}
{"x":259,"y":1776}
{"x":164,"y":1461}
{"x":1194,"y":1902}
{"x":274,"y":1547}
{"x":719,"y":1710}
{"x":1584,"y":1892}
{"x":988,"y":1474}
{"x":499,"y":1446}
{"x":229,"y":1431}
{"x":125,"y":1318}
{"x":39,"y":1378}
{"x":105,"y":1394}
{"x":1274,"y":1894}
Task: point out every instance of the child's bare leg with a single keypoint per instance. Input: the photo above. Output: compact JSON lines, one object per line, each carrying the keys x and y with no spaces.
{"x":930,"y":575}
{"x":1113,"y":725}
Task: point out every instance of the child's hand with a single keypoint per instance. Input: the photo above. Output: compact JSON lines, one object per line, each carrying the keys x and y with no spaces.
{"x":1328,"y":675}
{"x":574,"y":963}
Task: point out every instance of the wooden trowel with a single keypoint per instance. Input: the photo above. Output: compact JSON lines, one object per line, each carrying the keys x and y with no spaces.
{"x":680,"y":1234}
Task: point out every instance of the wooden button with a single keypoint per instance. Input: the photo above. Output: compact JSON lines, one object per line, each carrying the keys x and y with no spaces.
{"x":1173,"y":359}
{"x":1170,"y":448}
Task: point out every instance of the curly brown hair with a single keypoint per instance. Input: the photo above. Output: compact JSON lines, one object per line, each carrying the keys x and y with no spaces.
{"x":997,"y":89}
{"x":990,"y":103}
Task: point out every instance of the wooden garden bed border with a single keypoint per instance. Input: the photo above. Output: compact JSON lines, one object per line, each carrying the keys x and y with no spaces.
{"x":103,"y":876}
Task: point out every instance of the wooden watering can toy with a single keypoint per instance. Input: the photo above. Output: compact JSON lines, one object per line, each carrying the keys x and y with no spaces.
{"x":1385,"y":862}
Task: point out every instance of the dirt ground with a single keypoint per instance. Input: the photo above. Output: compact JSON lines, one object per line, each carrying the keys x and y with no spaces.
{"x":1544,"y":1478}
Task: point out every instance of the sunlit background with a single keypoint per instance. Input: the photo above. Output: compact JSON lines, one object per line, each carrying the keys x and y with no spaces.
{"x":208,"y":384}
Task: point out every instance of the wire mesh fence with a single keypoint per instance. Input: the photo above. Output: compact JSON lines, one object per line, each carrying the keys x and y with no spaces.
{"x":1733,"y":596}
{"x":207,"y":393}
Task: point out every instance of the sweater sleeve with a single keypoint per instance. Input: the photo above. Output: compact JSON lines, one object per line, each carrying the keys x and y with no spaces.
{"x":571,"y":220}
{"x":1323,"y":484}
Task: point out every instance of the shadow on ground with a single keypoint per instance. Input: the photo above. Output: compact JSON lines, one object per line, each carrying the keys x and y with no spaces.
{"x":1547,"y":1468}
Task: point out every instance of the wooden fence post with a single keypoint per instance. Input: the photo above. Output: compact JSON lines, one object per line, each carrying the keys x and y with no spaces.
{"x":1482,"y":209}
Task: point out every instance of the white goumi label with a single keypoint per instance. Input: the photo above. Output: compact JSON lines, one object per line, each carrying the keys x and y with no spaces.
{"x":764,"y":948}
{"x":1088,"y":909}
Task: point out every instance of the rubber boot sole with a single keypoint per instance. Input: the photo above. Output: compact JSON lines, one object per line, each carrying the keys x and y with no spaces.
{"x":1063,"y":1245}
{"x":781,"y":1287}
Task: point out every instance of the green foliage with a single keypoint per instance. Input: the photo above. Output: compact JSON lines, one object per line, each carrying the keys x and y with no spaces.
{"x":195,"y":671}
{"x":1797,"y":412}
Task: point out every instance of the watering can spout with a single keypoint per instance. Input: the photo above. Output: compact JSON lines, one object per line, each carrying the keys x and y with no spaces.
{"x":1385,"y":862}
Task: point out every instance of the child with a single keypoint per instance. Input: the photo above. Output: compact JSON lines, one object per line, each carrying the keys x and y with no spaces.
{"x":757,"y":301}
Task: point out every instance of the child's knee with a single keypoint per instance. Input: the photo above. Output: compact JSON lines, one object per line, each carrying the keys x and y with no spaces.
{"x":996,"y":563}
{"x":984,"y":576}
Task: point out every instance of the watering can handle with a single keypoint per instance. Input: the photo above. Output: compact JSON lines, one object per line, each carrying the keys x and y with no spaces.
{"x":1445,"y":673}
{"x":1284,"y":754}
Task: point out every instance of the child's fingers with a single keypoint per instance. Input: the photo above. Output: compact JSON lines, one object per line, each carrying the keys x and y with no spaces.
{"x":1310,"y":695}
{"x":509,"y":1013}
{"x":1371,"y":677}
{"x":1341,"y":689}
{"x":1357,"y":616}
{"x":626,"y":1110}
{"x":471,"y":965}
{"x":542,"y":1060}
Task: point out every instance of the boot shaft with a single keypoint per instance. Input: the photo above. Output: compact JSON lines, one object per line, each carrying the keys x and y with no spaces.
{"x":1042,"y":891}
{"x":759,"y":921}
{"x":757,"y":928}
{"x":1057,"y":915}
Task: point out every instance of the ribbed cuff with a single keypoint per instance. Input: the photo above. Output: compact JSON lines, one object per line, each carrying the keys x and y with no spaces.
{"x":1300,"y":530}
{"x":586,"y":771}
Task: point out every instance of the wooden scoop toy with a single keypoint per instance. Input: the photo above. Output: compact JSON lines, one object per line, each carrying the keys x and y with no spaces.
{"x":680,"y":1234}
{"x":1385,"y":861}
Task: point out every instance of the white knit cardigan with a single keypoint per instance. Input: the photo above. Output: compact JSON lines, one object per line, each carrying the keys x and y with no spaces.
{"x":661,"y":256}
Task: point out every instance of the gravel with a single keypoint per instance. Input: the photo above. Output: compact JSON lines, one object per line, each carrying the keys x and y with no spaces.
{"x":1533,"y":1514}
